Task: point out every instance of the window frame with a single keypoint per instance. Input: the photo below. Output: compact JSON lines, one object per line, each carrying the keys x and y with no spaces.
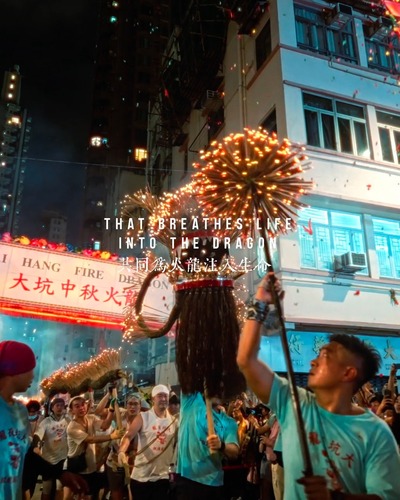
{"x":392,"y":131}
{"x":390,"y":239}
{"x":332,"y":234}
{"x":336,"y":117}
{"x":263,"y":45}
{"x":325,"y":39}
{"x":383,"y":55}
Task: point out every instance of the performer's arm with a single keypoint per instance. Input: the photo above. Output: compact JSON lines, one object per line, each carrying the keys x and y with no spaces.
{"x":258,"y":375}
{"x":108,"y":418}
{"x":101,"y":407}
{"x":117,"y":434}
{"x":133,"y":429}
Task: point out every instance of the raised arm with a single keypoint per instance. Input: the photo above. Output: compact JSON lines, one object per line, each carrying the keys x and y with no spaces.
{"x":133,"y":429}
{"x":258,"y":375}
{"x":101,"y":407}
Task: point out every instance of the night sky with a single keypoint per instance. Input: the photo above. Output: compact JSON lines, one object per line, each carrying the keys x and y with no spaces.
{"x":53,"y":42}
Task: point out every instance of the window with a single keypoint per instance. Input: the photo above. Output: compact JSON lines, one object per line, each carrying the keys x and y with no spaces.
{"x":215,"y":122}
{"x":387,"y":245}
{"x":314,"y":35}
{"x":337,"y":125}
{"x":269,"y":124}
{"x":140,"y":154}
{"x":95,"y":141}
{"x":332,"y":233}
{"x":263,"y":44}
{"x":384,"y":55}
{"x":389,"y":135}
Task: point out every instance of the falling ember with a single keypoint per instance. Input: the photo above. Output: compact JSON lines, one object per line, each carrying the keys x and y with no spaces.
{"x":248,"y":166}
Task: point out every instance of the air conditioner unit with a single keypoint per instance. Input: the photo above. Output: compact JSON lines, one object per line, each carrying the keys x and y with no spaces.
{"x":212,"y":101}
{"x":350,"y":262}
{"x":380,"y":29}
{"x":339,"y":16}
{"x":212,"y":94}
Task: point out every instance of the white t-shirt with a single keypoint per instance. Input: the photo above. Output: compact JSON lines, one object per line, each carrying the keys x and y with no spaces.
{"x":76,"y":435}
{"x":153,"y":463}
{"x":53,"y":433}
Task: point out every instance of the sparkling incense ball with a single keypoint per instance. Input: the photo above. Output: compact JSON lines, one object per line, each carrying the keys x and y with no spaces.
{"x":250,"y":176}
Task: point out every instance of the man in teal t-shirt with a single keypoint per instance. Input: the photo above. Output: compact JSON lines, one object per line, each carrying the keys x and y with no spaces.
{"x":199,"y":455}
{"x":353,"y":452}
{"x":17,"y":362}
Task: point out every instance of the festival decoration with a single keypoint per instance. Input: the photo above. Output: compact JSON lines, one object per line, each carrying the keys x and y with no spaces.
{"x":205,"y":311}
{"x":78,"y":378}
{"x":139,"y":205}
{"x":253,"y":176}
{"x":250,"y":176}
{"x":309,"y":228}
{"x":393,"y":10}
{"x":59,"y":247}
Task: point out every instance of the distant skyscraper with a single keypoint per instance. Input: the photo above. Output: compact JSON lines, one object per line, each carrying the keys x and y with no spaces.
{"x":55,"y":225}
{"x":15,"y":133}
{"x":131,"y":39}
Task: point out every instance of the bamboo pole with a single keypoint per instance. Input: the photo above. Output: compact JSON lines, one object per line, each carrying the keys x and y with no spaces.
{"x":210,"y":419}
{"x":308,"y":469}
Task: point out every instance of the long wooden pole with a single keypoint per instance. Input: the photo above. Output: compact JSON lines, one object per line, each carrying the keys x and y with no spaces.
{"x":308,"y":469}
{"x":118,"y":420}
{"x":210,"y":419}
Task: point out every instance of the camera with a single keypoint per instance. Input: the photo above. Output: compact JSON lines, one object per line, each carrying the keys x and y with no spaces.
{"x":256,"y":411}
{"x":250,"y":411}
{"x":387,"y":393}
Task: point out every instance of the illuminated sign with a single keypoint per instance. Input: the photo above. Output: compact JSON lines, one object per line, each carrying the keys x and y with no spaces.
{"x":305,"y":346}
{"x":76,"y":289}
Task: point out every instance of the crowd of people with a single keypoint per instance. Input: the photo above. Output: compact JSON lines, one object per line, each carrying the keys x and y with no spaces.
{"x":192,"y":447}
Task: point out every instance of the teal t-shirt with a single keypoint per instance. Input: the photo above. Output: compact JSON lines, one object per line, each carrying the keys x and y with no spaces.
{"x":14,"y":443}
{"x":195,"y":461}
{"x":360,"y":447}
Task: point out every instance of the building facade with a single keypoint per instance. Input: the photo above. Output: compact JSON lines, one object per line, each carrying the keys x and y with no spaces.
{"x":131,"y":38}
{"x":325,"y":75}
{"x":55,"y":225}
{"x":15,"y":127}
